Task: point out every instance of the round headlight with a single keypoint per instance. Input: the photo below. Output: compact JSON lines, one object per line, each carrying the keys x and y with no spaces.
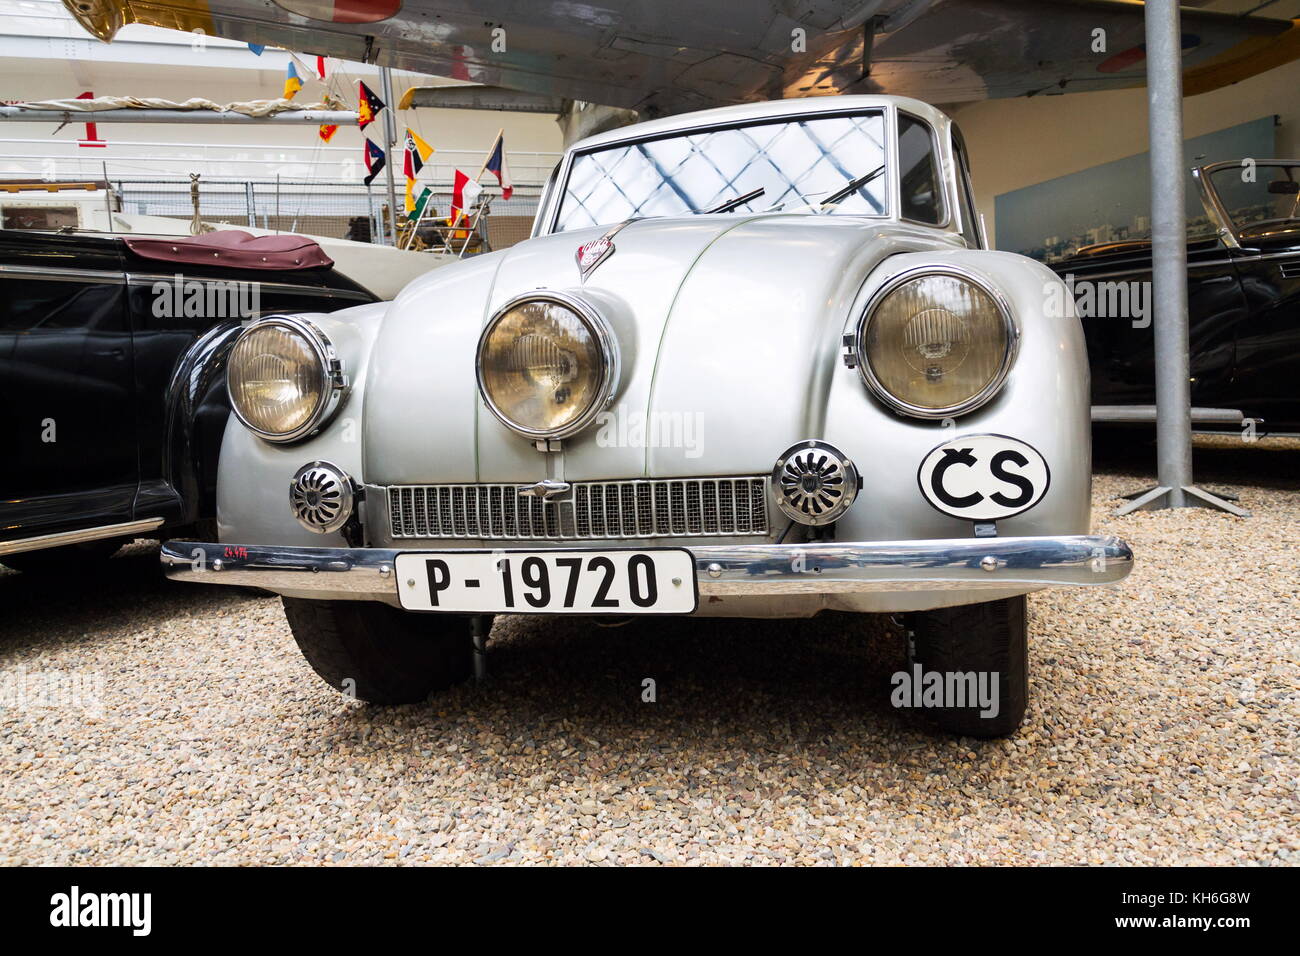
{"x":936,"y":342}
{"x":547,"y":365}
{"x":283,"y":378}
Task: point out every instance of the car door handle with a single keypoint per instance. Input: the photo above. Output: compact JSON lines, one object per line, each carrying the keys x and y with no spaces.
{"x":112,"y":353}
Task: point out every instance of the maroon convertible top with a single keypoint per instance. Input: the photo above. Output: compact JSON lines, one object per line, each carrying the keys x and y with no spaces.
{"x":233,"y":248}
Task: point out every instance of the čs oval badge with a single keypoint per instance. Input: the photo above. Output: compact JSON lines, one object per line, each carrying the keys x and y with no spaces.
{"x":984,"y":477}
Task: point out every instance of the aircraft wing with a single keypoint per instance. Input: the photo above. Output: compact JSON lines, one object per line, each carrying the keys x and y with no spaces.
{"x":676,"y":55}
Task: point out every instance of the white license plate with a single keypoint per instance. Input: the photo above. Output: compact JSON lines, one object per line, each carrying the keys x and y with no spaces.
{"x":655,"y":581}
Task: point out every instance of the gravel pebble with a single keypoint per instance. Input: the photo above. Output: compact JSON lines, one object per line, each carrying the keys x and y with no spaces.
{"x":1163,"y":727}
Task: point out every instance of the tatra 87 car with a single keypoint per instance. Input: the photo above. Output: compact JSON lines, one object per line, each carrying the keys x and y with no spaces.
{"x":754,"y":362}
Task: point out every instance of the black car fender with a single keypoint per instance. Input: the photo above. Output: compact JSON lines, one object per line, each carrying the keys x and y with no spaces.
{"x":198,"y":408}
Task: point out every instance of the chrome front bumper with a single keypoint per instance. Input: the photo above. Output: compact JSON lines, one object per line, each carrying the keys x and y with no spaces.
{"x":958,"y":564}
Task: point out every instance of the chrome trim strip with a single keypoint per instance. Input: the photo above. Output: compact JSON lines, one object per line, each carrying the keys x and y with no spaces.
{"x":610,"y":363}
{"x":1293,"y":254}
{"x":963,"y":564}
{"x":975,"y":401}
{"x":141,"y":278}
{"x":56,"y":274}
{"x":37,"y":543}
{"x":333,"y":382}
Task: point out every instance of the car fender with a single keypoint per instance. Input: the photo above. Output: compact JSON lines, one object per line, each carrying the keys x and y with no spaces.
{"x":252,"y":492}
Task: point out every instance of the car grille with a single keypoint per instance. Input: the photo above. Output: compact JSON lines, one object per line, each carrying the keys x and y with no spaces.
{"x":638,"y":508}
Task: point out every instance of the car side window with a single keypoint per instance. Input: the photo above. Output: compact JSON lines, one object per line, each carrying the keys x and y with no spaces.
{"x":922,"y":186}
{"x":46,"y":304}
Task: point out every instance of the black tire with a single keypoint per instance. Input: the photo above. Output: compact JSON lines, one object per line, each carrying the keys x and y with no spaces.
{"x":989,"y":637}
{"x":72,"y":557}
{"x":379,"y":653}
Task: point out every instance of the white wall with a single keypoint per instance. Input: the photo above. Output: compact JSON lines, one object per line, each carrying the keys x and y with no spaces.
{"x":1019,"y":142}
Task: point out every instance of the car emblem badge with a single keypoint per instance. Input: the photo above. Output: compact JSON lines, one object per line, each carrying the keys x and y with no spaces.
{"x":546,"y":489}
{"x":592,"y":254}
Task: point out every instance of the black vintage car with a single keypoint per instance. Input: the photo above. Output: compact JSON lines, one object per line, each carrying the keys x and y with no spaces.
{"x":108,"y":432}
{"x":1243,"y":306}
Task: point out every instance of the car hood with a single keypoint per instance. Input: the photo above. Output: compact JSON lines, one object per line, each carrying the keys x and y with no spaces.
{"x":728,"y":329}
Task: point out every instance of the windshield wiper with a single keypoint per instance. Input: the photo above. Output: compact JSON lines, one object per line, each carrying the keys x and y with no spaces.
{"x":731,"y":204}
{"x":854,"y":186}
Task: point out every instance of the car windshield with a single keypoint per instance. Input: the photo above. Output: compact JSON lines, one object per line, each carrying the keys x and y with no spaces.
{"x":1258,"y":197}
{"x":788,"y":164}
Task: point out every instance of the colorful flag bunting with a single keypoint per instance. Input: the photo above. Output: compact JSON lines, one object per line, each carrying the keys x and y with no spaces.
{"x":375,"y":160}
{"x":464,"y":192}
{"x":496,"y":165}
{"x":327,"y":130}
{"x":421,"y":202}
{"x":368,"y":105}
{"x":417,"y":151}
{"x":292,"y":81}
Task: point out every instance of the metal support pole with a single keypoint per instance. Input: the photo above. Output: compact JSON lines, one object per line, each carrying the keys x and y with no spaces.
{"x":108,"y":197}
{"x":390,"y":137}
{"x":252,"y":203}
{"x":1174,"y":487}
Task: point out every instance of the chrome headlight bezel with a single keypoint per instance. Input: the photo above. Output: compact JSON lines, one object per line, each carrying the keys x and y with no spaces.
{"x":332,"y":381}
{"x":977,"y":400}
{"x":610,"y":368}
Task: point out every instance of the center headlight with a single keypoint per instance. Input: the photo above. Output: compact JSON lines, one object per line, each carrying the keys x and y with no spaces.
{"x":283,"y":378}
{"x":547,"y":365}
{"x":936,"y":342}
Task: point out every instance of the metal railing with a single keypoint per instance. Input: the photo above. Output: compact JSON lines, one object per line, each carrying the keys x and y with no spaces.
{"x":38,"y":158}
{"x":343,"y":210}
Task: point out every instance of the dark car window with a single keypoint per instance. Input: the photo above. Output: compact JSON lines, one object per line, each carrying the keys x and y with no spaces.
{"x":32,"y":304}
{"x":922,"y":186}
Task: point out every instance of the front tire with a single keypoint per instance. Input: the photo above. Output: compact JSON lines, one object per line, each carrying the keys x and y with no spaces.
{"x":379,"y":653}
{"x":988,"y":638}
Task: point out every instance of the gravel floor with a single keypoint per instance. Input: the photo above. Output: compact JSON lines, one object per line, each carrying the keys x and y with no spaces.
{"x":1163,"y":727}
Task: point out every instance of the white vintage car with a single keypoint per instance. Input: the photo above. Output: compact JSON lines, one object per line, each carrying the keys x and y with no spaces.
{"x":754,"y":362}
